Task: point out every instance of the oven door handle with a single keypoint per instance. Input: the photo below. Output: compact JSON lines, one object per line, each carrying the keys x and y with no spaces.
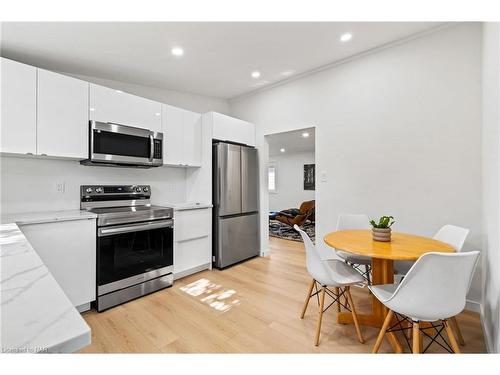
{"x":102,"y":232}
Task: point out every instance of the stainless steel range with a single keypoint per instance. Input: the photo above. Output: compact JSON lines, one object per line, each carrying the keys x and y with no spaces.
{"x":134,"y":242}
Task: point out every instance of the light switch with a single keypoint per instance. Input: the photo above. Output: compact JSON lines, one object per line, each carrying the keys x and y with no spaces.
{"x":323,"y":176}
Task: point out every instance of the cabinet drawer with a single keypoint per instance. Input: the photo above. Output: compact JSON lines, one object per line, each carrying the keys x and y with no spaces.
{"x":191,"y":255}
{"x":189,"y":224}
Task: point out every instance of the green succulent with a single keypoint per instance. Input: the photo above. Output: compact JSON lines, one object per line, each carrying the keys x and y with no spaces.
{"x":384,"y":222}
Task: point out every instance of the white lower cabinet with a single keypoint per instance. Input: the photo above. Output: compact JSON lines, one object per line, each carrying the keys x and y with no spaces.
{"x":192,"y":241}
{"x":68,"y":250}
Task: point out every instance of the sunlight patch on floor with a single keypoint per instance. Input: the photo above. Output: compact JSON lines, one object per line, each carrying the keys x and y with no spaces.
{"x":211,"y":294}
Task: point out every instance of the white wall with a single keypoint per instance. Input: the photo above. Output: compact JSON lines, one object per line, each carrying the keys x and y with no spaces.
{"x":397,"y":132}
{"x":491,"y":185}
{"x":290,"y":180}
{"x":29,"y":184}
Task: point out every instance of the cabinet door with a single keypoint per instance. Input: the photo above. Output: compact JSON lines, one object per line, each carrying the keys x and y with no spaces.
{"x":109,"y":105}
{"x":226,"y":128}
{"x":62,"y":115}
{"x":68,"y":249}
{"x":173,"y":136}
{"x":192,"y":138}
{"x":18,"y":108}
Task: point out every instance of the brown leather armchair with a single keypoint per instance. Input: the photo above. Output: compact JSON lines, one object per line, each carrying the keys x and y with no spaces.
{"x":298,"y":216}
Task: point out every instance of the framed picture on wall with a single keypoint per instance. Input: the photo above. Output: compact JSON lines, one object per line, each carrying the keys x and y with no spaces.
{"x":309,"y":176}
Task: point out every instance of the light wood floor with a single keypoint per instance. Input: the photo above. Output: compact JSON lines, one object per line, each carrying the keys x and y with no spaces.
{"x":253,"y":307}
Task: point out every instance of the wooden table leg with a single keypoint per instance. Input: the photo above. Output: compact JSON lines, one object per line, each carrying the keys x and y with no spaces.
{"x":382,"y":273}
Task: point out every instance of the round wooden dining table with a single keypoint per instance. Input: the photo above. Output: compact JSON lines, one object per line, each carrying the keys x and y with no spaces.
{"x":401,"y":247}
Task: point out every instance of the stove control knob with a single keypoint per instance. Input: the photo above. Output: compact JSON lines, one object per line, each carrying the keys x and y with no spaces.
{"x":88,"y":190}
{"x":145,"y":189}
{"x":99,"y":190}
{"x":138,"y":189}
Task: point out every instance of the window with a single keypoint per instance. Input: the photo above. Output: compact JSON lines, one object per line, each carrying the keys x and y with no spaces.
{"x":271,"y":178}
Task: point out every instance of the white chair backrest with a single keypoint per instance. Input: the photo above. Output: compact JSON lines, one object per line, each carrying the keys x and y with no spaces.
{"x":452,"y":235}
{"x":314,"y":263}
{"x":346,"y":222}
{"x":436,"y":286}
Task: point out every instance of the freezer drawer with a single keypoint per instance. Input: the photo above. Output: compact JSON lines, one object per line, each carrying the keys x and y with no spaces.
{"x":237,"y":239}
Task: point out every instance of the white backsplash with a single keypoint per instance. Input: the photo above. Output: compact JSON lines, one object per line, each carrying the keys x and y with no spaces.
{"x":31,"y":184}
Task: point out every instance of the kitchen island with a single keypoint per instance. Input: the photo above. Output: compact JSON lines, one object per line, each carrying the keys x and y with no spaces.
{"x":36,"y":315}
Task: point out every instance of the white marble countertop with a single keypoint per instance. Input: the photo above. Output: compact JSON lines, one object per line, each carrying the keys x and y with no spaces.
{"x":186,"y":205}
{"x":46,"y":217}
{"x":36,"y":315}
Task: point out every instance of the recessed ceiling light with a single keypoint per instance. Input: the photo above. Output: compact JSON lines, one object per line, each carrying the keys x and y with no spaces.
{"x":92,"y":109}
{"x":345,"y":37}
{"x":177,"y":51}
{"x":282,"y":150}
{"x":256,"y":74}
{"x":157,"y":114}
{"x":119,"y":91}
{"x":305,"y":134}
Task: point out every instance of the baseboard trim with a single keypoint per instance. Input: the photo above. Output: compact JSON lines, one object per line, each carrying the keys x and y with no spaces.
{"x":473,"y":306}
{"x":486,"y":333}
{"x":83,"y":308}
{"x":190,"y":271}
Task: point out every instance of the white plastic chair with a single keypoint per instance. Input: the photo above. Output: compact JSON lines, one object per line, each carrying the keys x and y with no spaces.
{"x":346,"y":222}
{"x":434,"y":290}
{"x":325,"y":273}
{"x":454,"y":236}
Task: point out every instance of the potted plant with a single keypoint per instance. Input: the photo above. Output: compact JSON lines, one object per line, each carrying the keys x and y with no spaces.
{"x":382,"y":230}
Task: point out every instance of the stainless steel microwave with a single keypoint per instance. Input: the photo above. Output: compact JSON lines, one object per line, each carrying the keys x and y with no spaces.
{"x":126,"y":146}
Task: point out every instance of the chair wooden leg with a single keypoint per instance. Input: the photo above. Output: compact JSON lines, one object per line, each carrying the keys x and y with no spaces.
{"x":416,"y":338}
{"x":337,"y":293}
{"x":381,"y":334}
{"x":320,"y":314}
{"x":457,"y":330}
{"x":451,"y":337}
{"x":354,"y":315}
{"x":307,"y":299}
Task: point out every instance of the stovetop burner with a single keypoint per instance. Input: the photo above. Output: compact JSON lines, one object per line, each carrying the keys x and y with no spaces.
{"x":118,"y":204}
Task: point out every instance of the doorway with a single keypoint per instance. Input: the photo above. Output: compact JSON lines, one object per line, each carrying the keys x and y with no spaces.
{"x":291,"y":183}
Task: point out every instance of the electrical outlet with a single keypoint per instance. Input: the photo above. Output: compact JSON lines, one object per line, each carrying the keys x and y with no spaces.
{"x":61,"y":187}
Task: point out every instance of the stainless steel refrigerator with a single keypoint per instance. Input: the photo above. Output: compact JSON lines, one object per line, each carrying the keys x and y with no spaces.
{"x":235,"y":199}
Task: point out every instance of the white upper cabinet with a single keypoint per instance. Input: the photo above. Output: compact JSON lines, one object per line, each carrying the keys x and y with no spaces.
{"x":18,"y":108}
{"x":226,"y":128}
{"x":173,"y":135}
{"x":192,"y":138}
{"x":109,"y":105}
{"x":62,"y":116}
{"x":181,"y":137}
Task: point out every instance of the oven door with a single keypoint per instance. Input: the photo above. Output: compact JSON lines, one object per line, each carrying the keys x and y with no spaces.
{"x":120,"y":144}
{"x":131,"y":254}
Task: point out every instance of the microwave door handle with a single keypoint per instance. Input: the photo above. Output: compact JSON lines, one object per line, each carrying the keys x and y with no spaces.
{"x":151,"y":147}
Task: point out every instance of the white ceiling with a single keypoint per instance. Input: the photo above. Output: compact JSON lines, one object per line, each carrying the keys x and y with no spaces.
{"x":219,"y":57}
{"x":292,"y":142}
